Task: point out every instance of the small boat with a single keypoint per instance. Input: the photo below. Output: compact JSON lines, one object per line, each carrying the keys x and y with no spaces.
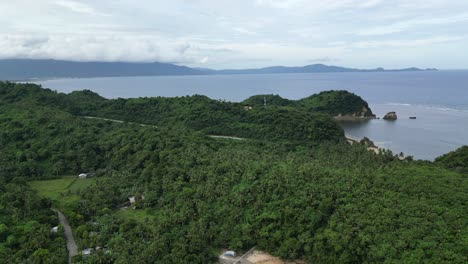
{"x":412,"y":117}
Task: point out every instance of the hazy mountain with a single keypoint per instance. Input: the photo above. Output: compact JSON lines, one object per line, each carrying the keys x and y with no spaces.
{"x":22,"y":69}
{"x":315,"y":68}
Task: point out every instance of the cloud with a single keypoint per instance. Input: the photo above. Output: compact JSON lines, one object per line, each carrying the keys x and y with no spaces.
{"x":323,"y":60}
{"x":317,"y":6}
{"x":241,"y":34}
{"x":96,"y":48}
{"x":244,"y":31}
{"x":409,"y":43}
{"x":182,"y":49}
{"x":408,"y":24}
{"x":78,"y":7}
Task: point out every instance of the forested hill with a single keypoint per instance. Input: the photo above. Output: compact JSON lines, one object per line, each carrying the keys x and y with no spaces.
{"x":456,"y":160}
{"x":334,"y":103}
{"x":197,"y":112}
{"x":327,"y":202}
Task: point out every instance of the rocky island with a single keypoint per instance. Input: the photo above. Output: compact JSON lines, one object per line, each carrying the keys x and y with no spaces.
{"x":390,"y":116}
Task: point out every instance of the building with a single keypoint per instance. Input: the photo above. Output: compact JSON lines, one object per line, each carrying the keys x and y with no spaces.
{"x":132,"y":199}
{"x":87,"y":251}
{"x":83,"y":176}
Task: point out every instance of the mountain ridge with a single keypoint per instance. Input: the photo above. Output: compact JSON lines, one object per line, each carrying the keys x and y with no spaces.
{"x":26,"y":69}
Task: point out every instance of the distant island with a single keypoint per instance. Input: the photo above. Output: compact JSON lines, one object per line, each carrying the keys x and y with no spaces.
{"x":27,"y":69}
{"x":314,"y":68}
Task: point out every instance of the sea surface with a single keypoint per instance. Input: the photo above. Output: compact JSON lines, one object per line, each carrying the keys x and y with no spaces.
{"x":438,"y":99}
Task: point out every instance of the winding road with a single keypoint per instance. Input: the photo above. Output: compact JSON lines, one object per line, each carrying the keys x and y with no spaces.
{"x":71,"y":244}
{"x":144,"y":125}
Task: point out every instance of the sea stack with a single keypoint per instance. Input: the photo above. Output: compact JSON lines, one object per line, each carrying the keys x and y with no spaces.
{"x":390,"y":116}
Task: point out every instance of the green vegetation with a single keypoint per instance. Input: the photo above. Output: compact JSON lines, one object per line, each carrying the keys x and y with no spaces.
{"x":336,"y":103}
{"x":269,"y":99}
{"x":329,"y":102}
{"x":137,"y":215}
{"x":308,"y":195}
{"x":25,"y":226}
{"x":456,"y":160}
{"x":62,"y":192}
{"x":52,"y":189}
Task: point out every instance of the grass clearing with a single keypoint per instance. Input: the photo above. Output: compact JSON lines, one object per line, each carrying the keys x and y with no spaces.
{"x":137,"y":215}
{"x":52,"y":189}
{"x":61,"y":191}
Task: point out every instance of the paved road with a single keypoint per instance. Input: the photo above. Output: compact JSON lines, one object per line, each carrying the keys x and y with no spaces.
{"x":227,"y":137}
{"x":116,"y":121}
{"x":71,"y":244}
{"x":120,"y":121}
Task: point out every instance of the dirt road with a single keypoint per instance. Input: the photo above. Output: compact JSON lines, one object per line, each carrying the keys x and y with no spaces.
{"x":71,"y":244}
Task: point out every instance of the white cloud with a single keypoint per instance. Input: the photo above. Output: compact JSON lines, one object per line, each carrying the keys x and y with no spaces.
{"x":78,"y":7}
{"x":91,"y":48}
{"x":408,"y":24}
{"x":227,"y":34}
{"x":371,"y":3}
{"x":410,"y":43}
{"x":244,"y":31}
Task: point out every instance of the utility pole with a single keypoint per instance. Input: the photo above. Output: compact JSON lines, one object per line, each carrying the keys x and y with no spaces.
{"x":264,"y":101}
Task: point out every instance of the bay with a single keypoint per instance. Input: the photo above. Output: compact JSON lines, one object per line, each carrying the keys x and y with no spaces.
{"x":439,"y":100}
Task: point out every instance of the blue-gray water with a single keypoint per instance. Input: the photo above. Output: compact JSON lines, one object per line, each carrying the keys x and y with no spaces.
{"x":439,"y":100}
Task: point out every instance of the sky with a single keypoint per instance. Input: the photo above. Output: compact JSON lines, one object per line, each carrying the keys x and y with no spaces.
{"x":222,"y":34}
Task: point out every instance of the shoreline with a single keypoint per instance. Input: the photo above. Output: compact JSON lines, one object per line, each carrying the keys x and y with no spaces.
{"x":352,"y":140}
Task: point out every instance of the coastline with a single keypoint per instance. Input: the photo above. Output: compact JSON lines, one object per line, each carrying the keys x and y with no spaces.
{"x":353,"y":140}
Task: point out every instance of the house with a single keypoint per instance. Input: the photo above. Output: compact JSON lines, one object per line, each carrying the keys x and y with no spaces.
{"x":86,"y":251}
{"x":248,"y":107}
{"x":228,"y":257}
{"x":132,"y":199}
{"x":83,"y":176}
{"x":54,"y":229}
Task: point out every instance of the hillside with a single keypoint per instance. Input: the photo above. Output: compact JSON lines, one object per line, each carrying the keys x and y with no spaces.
{"x":339,"y":104}
{"x":327,"y":202}
{"x":456,"y":160}
{"x":198,"y":113}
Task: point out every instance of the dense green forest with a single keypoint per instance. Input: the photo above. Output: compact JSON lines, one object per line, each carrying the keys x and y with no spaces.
{"x":25,"y":226}
{"x":337,"y":103}
{"x":456,"y":160}
{"x":322,"y":200}
{"x":197,"y":112}
{"x":330,"y":102}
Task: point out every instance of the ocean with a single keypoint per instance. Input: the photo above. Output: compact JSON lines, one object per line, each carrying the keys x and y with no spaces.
{"x":438,"y":99}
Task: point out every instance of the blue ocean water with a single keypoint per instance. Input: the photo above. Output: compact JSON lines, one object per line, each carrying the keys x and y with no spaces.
{"x":439,"y":100}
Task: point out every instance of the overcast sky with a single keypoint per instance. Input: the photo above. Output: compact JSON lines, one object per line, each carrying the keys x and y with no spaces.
{"x":240,"y":33}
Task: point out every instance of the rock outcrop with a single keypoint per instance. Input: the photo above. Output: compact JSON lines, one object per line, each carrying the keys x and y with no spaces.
{"x":390,"y":116}
{"x":367,"y":142}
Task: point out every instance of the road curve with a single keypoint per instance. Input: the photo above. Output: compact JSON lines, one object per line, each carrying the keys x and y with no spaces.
{"x":71,"y":244}
{"x":144,"y":125}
